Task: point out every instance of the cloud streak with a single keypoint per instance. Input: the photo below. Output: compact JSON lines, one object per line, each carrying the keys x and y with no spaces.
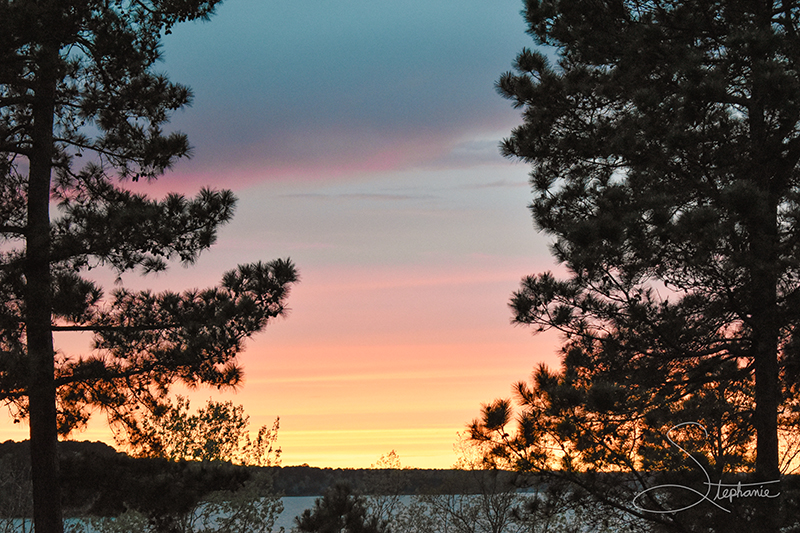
{"x":319,"y":90}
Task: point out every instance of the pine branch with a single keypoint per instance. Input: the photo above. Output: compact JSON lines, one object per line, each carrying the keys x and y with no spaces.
{"x":13,"y":229}
{"x":143,"y":327}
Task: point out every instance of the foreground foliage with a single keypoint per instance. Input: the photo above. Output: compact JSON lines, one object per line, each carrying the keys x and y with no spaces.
{"x":219,"y":434}
{"x":191,"y":486}
{"x":220,"y":431}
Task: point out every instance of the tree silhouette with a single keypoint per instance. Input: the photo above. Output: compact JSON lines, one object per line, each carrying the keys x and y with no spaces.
{"x":664,"y":147}
{"x":220,"y":431}
{"x":77,"y":85}
{"x":339,"y":511}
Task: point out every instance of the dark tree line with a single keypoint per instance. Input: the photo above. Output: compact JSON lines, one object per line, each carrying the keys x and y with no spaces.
{"x":99,"y":481}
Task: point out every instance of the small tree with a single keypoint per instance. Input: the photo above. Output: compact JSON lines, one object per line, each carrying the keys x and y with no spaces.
{"x":15,"y":494}
{"x":486,"y":502}
{"x":383,"y":499}
{"x":496,"y":497}
{"x":218,"y":432}
{"x":339,"y":511}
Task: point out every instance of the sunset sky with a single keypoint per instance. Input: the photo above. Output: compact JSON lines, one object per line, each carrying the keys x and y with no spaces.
{"x":361,"y":139}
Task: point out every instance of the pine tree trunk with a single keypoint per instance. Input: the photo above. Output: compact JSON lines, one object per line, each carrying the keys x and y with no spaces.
{"x":47,"y":516}
{"x":764,"y":322}
{"x":764,"y":243}
{"x":767,"y":389}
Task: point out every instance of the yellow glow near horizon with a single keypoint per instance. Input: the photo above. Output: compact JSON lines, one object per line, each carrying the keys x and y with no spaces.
{"x":399,"y":328}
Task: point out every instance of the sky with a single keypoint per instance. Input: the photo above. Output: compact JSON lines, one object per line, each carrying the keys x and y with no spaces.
{"x":361,"y":140}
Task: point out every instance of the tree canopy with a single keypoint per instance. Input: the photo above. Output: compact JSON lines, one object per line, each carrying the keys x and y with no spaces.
{"x":664,"y":143}
{"x":82,"y":110}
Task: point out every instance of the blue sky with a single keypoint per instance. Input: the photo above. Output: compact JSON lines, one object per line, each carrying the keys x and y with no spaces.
{"x":317,"y":88}
{"x":361,"y":139}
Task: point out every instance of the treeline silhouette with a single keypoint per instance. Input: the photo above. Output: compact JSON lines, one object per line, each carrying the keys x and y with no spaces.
{"x":98,"y":480}
{"x":312,"y":481}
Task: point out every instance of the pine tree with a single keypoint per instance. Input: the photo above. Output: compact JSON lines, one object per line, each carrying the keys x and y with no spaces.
{"x":81,"y":106}
{"x":664,"y":146}
{"x":339,"y":511}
